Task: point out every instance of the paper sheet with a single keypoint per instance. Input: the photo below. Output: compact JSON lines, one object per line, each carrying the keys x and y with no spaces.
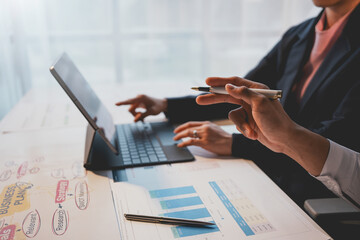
{"x":45,"y":193}
{"x":42,"y":116}
{"x":233,"y":193}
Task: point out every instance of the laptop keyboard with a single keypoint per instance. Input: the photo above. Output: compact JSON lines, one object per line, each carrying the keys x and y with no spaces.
{"x":138,"y":144}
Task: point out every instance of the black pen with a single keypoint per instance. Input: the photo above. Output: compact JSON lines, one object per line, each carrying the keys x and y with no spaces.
{"x":273,"y":94}
{"x":166,"y":220}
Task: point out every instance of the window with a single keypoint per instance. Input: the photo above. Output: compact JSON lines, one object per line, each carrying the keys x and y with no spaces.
{"x":138,"y":40}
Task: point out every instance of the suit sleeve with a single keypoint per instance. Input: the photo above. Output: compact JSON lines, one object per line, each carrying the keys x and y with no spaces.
{"x":185,"y":109}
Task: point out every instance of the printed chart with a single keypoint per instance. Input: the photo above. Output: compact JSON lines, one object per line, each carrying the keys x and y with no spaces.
{"x":242,"y":203}
{"x":247,"y":216}
{"x":184,"y":202}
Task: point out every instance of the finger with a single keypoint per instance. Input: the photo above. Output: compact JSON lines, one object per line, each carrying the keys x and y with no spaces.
{"x":141,"y":115}
{"x":248,"y":96}
{"x":240,"y":118}
{"x":188,"y":125}
{"x":208,"y":99}
{"x":128,"y":101}
{"x":185,"y":133}
{"x":190,"y":142}
{"x":132,"y":109}
{"x":219,"y":81}
{"x":252,"y":134}
{"x":137,"y":116}
{"x":238,"y":81}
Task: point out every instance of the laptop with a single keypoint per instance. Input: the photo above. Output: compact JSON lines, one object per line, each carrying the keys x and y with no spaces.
{"x":128,"y":145}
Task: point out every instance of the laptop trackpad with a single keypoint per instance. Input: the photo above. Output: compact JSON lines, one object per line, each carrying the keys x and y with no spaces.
{"x":164,"y":133}
{"x":166,"y":138}
{"x":174,"y":153}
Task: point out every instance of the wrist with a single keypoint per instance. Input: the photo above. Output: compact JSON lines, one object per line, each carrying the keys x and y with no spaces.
{"x":229,"y":143}
{"x":293,"y":136}
{"x":307,"y":148}
{"x":225,"y":145}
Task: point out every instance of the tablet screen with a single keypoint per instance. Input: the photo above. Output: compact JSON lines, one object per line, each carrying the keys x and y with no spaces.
{"x":80,"y":92}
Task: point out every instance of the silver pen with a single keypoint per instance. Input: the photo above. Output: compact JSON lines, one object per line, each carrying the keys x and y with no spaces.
{"x":166,"y":220}
{"x":273,"y":94}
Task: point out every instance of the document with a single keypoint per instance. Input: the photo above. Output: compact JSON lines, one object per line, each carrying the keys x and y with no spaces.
{"x":45,"y":193}
{"x":233,"y":193}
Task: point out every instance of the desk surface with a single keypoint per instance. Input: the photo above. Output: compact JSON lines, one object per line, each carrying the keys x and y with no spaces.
{"x":45,"y":191}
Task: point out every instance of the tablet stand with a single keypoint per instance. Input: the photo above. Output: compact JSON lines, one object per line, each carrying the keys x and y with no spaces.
{"x":98,"y":156}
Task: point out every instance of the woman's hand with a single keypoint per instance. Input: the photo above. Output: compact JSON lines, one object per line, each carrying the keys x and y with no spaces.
{"x":206,"y":135}
{"x":152,"y":106}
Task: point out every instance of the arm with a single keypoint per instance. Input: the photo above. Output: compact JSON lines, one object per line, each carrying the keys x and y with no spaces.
{"x":177,"y":110}
{"x":185,"y":109}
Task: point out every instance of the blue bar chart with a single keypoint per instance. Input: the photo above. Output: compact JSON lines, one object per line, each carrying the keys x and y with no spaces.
{"x":168,"y":192}
{"x":190,"y":214}
{"x":183,"y":202}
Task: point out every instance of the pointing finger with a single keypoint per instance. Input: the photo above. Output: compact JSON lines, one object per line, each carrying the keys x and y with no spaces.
{"x":127,"y":102}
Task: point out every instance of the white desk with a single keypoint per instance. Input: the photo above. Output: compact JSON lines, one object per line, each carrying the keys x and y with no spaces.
{"x":45,"y":192}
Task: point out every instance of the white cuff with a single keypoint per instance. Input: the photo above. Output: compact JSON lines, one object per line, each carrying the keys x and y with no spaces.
{"x":341,"y":173}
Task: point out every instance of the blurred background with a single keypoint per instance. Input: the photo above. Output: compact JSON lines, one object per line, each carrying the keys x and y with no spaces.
{"x":126,"y":41}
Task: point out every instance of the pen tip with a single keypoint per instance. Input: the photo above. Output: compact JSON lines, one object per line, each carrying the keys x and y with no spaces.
{"x":194,"y":88}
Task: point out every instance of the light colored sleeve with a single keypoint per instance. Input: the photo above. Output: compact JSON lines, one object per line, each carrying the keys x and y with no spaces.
{"x":341,"y":172}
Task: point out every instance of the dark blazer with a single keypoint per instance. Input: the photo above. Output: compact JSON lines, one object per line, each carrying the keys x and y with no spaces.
{"x":330,"y":106}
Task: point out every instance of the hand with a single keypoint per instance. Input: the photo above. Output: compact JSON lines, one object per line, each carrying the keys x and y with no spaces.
{"x":207,"y":99}
{"x":261,"y":119}
{"x":266,"y":121}
{"x":243,"y":117}
{"x":152,"y":106}
{"x":258,"y":118}
{"x":208,"y":136}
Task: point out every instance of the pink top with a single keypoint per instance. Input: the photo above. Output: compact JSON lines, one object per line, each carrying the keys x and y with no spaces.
{"x":324,"y":40}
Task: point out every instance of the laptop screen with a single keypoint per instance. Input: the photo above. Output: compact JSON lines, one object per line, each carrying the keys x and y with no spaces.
{"x":80,"y":92}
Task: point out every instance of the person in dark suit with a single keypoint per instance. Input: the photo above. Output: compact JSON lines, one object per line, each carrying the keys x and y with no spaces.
{"x":317,"y":65}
